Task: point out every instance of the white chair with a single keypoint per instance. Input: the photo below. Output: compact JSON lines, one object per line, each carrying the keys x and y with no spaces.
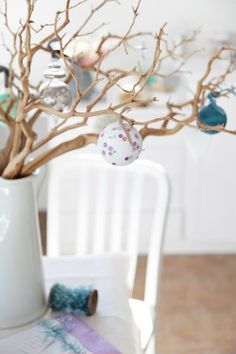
{"x":103,"y":208}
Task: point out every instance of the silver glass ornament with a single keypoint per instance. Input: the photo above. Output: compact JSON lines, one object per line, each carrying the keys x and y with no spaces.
{"x":54,"y":92}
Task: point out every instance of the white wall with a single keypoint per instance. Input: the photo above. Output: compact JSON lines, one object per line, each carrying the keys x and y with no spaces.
{"x":213,"y":16}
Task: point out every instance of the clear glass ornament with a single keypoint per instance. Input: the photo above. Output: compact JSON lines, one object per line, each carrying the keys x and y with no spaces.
{"x":54,"y":92}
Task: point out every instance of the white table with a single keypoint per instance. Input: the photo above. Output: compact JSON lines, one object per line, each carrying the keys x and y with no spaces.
{"x":113,"y":319}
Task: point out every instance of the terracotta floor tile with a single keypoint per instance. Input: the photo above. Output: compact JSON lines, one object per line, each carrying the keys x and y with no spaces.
{"x":198,"y":304}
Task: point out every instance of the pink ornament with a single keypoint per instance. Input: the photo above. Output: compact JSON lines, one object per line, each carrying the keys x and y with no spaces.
{"x":120,"y":144}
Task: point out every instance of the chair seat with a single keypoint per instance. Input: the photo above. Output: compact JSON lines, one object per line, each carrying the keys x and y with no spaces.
{"x":107,"y":273}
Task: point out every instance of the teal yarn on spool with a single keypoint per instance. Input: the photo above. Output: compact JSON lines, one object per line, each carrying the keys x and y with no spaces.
{"x":82,"y":300}
{"x":212,"y":115}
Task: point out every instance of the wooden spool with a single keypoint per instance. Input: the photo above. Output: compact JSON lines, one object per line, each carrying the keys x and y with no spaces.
{"x":92,"y":302}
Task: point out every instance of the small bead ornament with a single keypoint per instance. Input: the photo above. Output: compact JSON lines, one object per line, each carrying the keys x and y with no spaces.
{"x":120,"y":143}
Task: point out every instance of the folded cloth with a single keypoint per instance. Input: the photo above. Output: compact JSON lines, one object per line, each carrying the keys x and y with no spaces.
{"x":88,"y":337}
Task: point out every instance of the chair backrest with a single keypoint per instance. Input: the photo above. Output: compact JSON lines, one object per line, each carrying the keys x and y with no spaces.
{"x":94,"y":207}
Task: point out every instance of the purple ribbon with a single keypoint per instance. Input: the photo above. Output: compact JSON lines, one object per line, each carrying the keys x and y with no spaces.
{"x":88,"y":337}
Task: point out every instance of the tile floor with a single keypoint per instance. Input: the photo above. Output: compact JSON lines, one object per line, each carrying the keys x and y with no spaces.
{"x":197,"y":304}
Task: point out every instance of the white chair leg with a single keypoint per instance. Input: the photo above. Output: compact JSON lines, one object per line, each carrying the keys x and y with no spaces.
{"x":151,"y":347}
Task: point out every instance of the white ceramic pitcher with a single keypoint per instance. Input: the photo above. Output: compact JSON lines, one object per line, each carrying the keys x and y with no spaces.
{"x":22,"y":295}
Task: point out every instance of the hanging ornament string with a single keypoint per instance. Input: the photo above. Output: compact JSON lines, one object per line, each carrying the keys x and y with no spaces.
{"x":126,"y":132}
{"x":223,"y":91}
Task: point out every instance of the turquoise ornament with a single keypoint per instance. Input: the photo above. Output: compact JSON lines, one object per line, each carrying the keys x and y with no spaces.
{"x":212,"y":115}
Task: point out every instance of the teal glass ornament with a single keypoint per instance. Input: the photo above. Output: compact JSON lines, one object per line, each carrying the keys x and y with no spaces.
{"x":212,"y":115}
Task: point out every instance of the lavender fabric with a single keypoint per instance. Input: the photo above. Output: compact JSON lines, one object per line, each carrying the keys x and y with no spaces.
{"x":89,"y":338}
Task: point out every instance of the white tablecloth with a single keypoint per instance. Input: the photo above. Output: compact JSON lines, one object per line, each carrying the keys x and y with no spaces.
{"x":107,"y":273}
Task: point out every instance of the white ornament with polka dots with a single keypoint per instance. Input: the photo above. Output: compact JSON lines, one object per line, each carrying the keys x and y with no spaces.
{"x":120,"y":143}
